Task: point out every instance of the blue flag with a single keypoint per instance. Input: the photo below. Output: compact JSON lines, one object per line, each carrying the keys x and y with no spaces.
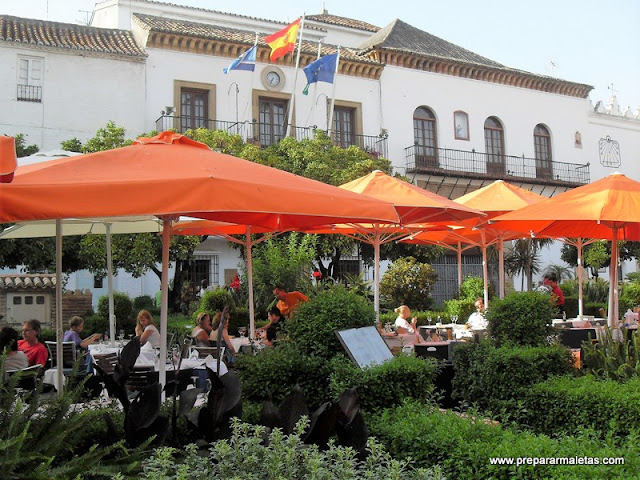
{"x":246,"y":61}
{"x":322,"y":70}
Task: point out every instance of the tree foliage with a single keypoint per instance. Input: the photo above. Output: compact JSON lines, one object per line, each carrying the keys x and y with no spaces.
{"x":409,"y":282}
{"x":22,"y":149}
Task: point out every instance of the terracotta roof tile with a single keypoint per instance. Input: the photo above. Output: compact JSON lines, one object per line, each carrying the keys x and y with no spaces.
{"x":214,"y":32}
{"x":68,"y":36}
{"x":27,"y":281}
{"x":343,"y":22}
{"x":401,"y":36}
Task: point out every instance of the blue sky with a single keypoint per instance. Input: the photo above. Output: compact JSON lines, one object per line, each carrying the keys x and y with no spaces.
{"x":595,"y":42}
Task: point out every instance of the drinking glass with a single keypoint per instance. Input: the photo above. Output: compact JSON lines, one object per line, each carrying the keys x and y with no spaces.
{"x":242,"y":331}
{"x":121,"y":336}
{"x":429,"y":319}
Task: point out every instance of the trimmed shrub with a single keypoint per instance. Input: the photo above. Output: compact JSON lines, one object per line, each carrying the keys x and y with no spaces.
{"x":123,"y":310}
{"x":629,"y":296}
{"x":214,"y":301}
{"x":409,"y":282}
{"x":571,"y":306}
{"x":521,"y":318}
{"x":463,"y":447}
{"x":279,"y":368}
{"x":96,"y":324}
{"x":566,"y":405}
{"x":144,"y":302}
{"x":489,"y":376}
{"x":239,"y":318}
{"x":386,"y":385}
{"x":334,"y":308}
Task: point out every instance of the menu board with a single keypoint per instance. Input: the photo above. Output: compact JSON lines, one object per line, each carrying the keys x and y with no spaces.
{"x":364,"y":346}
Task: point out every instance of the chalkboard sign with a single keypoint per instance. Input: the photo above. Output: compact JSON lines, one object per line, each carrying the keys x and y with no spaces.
{"x":364,"y":345}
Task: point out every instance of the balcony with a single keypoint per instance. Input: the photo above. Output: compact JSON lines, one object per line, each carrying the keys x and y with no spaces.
{"x":267,"y":134}
{"x":477,"y":165}
{"x":29,"y":93}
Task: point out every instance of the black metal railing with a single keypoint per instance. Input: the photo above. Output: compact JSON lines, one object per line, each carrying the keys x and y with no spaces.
{"x":268,"y":134}
{"x":483,"y":165}
{"x":29,"y":93}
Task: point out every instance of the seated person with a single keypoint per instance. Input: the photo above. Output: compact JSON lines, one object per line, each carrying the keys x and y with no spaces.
{"x":408,"y":331}
{"x":15,"y":359}
{"x":230,"y":352}
{"x":200,"y":333}
{"x":76,"y":325}
{"x":584,"y":323}
{"x":36,"y":352}
{"x":274,"y":327}
{"x":146,"y":329}
{"x":477,"y":320}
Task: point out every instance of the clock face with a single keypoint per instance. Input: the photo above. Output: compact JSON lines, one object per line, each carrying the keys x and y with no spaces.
{"x":273,"y":79}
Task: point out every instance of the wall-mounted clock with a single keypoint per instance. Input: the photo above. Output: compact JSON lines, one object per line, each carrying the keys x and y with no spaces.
{"x":272,"y":78}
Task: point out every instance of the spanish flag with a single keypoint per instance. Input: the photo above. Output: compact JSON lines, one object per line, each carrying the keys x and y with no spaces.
{"x":284,"y":41}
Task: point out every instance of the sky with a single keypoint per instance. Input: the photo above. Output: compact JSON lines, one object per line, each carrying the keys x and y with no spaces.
{"x":595,"y":42}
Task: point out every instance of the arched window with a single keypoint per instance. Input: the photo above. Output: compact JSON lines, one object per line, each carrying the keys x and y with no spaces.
{"x":494,"y":145}
{"x":424,"y":138}
{"x":542,"y":149}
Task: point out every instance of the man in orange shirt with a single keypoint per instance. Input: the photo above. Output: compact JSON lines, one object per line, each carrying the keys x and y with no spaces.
{"x":288,"y":301}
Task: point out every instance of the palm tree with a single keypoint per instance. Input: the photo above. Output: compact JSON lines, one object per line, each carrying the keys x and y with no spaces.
{"x":524,"y":258}
{"x":559,"y":271}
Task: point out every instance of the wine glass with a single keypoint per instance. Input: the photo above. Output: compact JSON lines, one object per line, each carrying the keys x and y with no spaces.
{"x":429,"y":319}
{"x":121,"y":336}
{"x":242,"y":331}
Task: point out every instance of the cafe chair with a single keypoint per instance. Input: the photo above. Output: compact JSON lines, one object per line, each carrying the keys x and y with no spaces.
{"x":106,"y":361}
{"x":29,"y":377}
{"x":213,"y":351}
{"x":69,"y":355}
{"x":140,"y":377}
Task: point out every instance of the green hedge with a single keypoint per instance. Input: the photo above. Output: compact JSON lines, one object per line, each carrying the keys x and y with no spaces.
{"x":565,"y":405}
{"x":521,"y":318}
{"x":279,"y":368}
{"x":489,"y":376}
{"x":463,"y":446}
{"x":383,"y":386}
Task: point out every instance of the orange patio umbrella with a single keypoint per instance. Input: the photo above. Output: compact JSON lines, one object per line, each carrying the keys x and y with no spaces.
{"x":495,"y":199}
{"x":414,"y":205}
{"x":608,"y":208}
{"x":171,"y":175}
{"x":8,"y":160}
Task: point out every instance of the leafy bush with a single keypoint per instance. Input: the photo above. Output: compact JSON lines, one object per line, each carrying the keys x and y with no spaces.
{"x":214,"y":301}
{"x":49,"y":437}
{"x":488,"y":376}
{"x":566,"y":405}
{"x":96,"y":324}
{"x":463,"y":446}
{"x":279,"y":368}
{"x":247,"y":455}
{"x":239,"y":318}
{"x":629,"y":296}
{"x":611,"y":358}
{"x":386,"y":385}
{"x":122,"y":308}
{"x":571,"y":306}
{"x":314,"y":323}
{"x":409,"y":282}
{"x":521,"y":318}
{"x":144,"y":302}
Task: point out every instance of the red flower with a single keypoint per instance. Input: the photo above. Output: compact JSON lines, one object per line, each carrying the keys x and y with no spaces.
{"x":317,"y":274}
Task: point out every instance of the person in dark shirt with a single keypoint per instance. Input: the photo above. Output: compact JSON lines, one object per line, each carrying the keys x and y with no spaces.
{"x":274,"y":327}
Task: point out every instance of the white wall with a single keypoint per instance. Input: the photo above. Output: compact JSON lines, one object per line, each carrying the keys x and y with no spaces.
{"x":80,"y":94}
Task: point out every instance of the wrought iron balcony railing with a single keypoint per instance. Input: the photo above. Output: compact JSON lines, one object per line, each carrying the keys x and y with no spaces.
{"x":474,"y":164}
{"x":264,"y":134}
{"x":29,"y":93}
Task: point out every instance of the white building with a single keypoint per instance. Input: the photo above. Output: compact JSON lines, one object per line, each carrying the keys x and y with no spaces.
{"x":448,"y":118}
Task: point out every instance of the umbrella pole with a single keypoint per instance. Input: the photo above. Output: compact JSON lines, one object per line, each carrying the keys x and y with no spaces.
{"x":59,"y":332}
{"x":164,"y":288}
{"x":501,"y":266}
{"x":485,"y":272}
{"x":580,"y":298}
{"x":252,"y":322}
{"x":459,"y":265}
{"x":612,"y":320}
{"x":112,"y":317}
{"x":376,"y":275}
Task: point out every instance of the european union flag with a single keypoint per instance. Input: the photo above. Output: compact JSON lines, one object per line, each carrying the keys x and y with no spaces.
{"x":322,"y":70}
{"x":246,"y":61}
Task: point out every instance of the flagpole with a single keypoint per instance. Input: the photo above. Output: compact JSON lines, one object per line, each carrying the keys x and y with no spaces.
{"x":315,"y":86}
{"x":295,"y":78}
{"x":333,"y":96}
